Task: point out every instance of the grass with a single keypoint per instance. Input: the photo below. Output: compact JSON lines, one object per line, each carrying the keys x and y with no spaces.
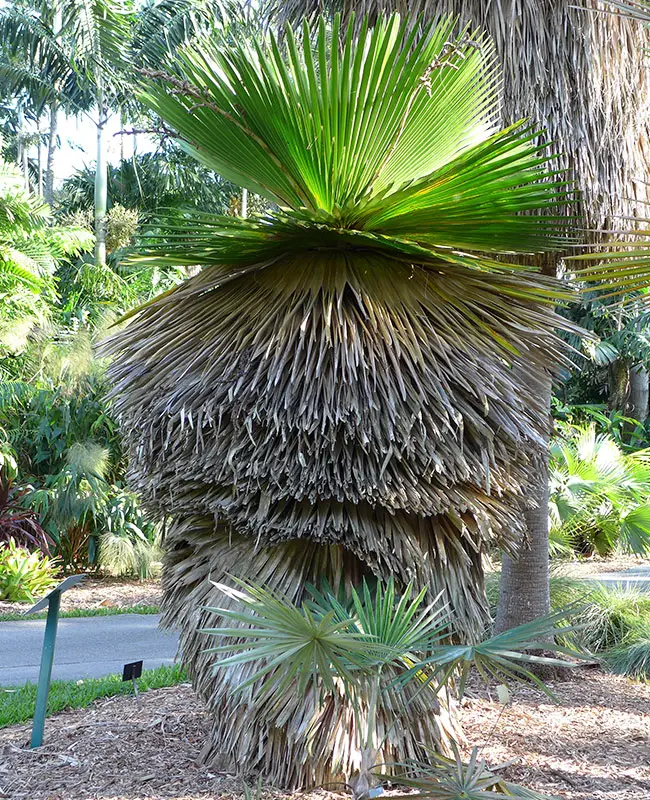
{"x":15,"y":616}
{"x":613,"y":622}
{"x":17,"y":704}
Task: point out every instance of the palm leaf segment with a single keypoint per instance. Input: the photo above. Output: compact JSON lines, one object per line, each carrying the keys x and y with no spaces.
{"x":353,"y":366}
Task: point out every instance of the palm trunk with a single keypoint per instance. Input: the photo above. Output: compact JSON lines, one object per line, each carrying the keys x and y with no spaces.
{"x":26,"y":168}
{"x":637,"y":401}
{"x":619,"y":375}
{"x":39,"y":157}
{"x":101,"y":183}
{"x":51,"y":148}
{"x":524,"y":591}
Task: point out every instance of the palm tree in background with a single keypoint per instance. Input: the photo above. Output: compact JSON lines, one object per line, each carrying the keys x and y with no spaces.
{"x":343,"y":390}
{"x":579,"y":72}
{"x":81,"y":57}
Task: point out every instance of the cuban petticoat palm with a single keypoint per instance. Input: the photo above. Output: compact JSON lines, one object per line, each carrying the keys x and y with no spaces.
{"x":343,"y":389}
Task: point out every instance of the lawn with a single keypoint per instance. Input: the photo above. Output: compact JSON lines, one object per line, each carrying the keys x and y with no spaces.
{"x":17,"y":704}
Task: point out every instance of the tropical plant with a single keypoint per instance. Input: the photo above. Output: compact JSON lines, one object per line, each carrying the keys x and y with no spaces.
{"x":151,"y":182}
{"x":373,"y":411}
{"x":378,"y":651}
{"x":30,"y":250}
{"x":632,"y":656}
{"x":18,"y":524}
{"x":628,"y":433}
{"x":130,"y":544}
{"x":24,"y":575}
{"x":599,"y":496}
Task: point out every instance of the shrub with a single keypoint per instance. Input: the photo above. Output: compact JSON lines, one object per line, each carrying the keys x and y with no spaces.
{"x":18,"y":525}
{"x":632,"y":657}
{"x":599,"y":495}
{"x":24,"y":575}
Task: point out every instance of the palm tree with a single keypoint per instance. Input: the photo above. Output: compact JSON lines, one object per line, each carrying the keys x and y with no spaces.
{"x":81,"y":55}
{"x":579,"y":73}
{"x":30,"y":251}
{"x":77,"y":51}
{"x":343,"y":390}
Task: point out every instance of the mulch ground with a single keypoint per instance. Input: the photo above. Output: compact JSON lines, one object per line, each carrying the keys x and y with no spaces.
{"x":101,"y":592}
{"x":594,"y":745}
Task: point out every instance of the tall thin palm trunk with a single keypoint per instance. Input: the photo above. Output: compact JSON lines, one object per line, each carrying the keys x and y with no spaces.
{"x":39,"y":156}
{"x":101,"y":181}
{"x":51,"y":149}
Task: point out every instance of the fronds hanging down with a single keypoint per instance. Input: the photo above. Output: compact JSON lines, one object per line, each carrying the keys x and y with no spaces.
{"x":305,"y":742}
{"x":349,"y":372}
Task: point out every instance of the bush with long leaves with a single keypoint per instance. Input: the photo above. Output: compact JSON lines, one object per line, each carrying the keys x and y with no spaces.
{"x":344,"y":387}
{"x":599,"y":495}
{"x":382,"y":652}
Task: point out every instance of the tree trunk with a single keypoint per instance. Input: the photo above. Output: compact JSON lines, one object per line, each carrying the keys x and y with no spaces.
{"x":51,"y":148}
{"x":618,"y":384}
{"x":101,"y":184}
{"x":524,"y":592}
{"x":39,"y":156}
{"x":637,"y":400}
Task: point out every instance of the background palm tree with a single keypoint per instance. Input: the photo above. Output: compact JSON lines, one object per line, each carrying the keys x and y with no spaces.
{"x":80,"y":56}
{"x":344,"y":389}
{"x":578,"y":72}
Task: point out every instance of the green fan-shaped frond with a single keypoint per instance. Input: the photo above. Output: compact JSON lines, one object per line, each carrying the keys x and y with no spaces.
{"x":386,"y":135}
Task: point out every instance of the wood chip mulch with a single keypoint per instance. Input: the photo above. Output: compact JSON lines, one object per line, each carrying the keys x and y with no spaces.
{"x":595,"y":745}
{"x":101,"y":592}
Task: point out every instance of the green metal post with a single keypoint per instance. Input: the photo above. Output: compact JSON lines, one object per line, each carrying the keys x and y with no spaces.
{"x":46,"y":669}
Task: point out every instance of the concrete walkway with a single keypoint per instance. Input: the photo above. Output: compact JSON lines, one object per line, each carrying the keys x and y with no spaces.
{"x":86,"y":647}
{"x":634,"y":578}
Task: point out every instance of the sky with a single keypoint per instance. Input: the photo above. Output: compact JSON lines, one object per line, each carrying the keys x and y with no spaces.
{"x":79,"y":145}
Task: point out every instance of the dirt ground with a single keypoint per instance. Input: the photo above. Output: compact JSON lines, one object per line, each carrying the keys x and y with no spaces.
{"x":98,"y":592}
{"x":594,"y":745}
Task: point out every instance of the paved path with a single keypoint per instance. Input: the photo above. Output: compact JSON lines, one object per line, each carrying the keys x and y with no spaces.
{"x":634,"y":578}
{"x":86,"y":647}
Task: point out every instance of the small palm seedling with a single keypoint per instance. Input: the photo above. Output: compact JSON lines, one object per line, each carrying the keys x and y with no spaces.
{"x":387,"y":658}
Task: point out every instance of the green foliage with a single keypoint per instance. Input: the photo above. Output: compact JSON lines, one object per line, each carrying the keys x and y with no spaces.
{"x":17,"y":704}
{"x":599,"y":496}
{"x":612,"y":622}
{"x":122,"y":224}
{"x":68,"y":457}
{"x":632,"y":656}
{"x":628,"y":433}
{"x":372,"y":645}
{"x":370,"y":153}
{"x":151,"y":183}
{"x":451,"y":779}
{"x":30,"y":250}
{"x":24,"y":575}
{"x":76,"y":613}
{"x":92,"y":522}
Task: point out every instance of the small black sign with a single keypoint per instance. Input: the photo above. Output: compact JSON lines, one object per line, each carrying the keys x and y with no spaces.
{"x":132,"y":671}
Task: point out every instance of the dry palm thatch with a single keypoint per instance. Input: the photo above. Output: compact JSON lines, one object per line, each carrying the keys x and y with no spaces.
{"x":343,"y":389}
